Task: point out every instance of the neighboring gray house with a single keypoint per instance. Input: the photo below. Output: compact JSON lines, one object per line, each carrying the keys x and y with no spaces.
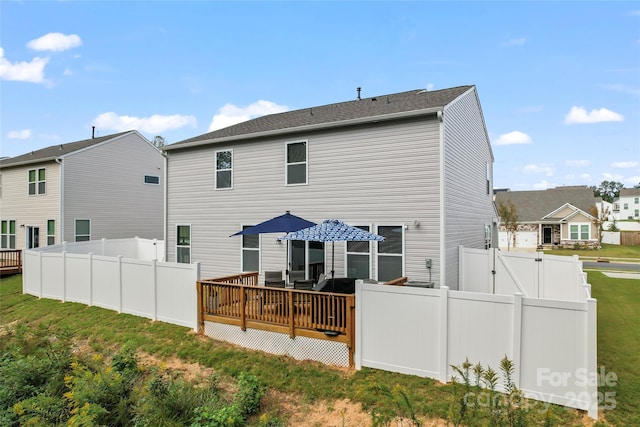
{"x":415,"y":167}
{"x":561,"y":215}
{"x":105,"y":187}
{"x":627,"y":205}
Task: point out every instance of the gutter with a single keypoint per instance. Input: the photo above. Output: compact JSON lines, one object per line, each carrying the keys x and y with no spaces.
{"x":308,"y":128}
{"x":58,"y":160}
{"x":28,"y":162}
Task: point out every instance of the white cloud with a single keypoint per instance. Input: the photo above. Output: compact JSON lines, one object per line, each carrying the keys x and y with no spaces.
{"x":32,"y":72}
{"x":623,"y":88}
{"x":231,"y":114}
{"x":56,"y":42}
{"x":629,"y":164}
{"x":577,"y":163}
{"x":585,"y":176}
{"x":514,"y":42}
{"x":580,"y":115}
{"x":612,"y":177}
{"x":154,"y":124}
{"x":67,"y":71}
{"x":430,"y":86}
{"x":19,"y":134}
{"x":543,"y":168}
{"x":543,"y":185}
{"x":515,"y":137}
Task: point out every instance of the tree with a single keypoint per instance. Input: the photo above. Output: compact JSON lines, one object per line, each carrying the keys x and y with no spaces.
{"x":509,"y":218}
{"x":159,"y":141}
{"x":608,"y":190}
{"x":599,"y":218}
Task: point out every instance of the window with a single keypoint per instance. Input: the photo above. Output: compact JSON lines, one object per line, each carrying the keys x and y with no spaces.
{"x":488,"y":178}
{"x":8,"y":234}
{"x":183,"y":244}
{"x":390,"y":253}
{"x":224,"y":169}
{"x":151,"y":179}
{"x":33,"y":237}
{"x":626,"y":205}
{"x":37,"y":181}
{"x":296,"y":163}
{"x":83,"y":230}
{"x":250,"y":251}
{"x":636,"y":200}
{"x":359,"y":258}
{"x":51,"y":232}
{"x":579,"y":232}
{"x":636,"y":213}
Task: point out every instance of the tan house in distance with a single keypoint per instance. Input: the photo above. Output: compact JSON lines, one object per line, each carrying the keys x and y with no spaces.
{"x":551,"y":217}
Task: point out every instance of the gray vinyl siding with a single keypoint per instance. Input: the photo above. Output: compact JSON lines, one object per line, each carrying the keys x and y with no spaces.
{"x":30,"y":210}
{"x":379,"y":174}
{"x":105,"y":183}
{"x":467,"y":205}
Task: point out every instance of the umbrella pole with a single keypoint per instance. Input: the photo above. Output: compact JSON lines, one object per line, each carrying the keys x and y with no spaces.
{"x":286,"y":271}
{"x":333,"y":247}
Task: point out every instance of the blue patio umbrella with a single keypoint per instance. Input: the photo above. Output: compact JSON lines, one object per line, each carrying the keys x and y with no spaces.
{"x":281,"y":224}
{"x":332,"y":230}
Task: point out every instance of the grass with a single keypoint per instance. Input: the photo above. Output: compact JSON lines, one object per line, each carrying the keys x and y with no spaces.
{"x":106,"y":331}
{"x":619,"y":343}
{"x":607,"y":251}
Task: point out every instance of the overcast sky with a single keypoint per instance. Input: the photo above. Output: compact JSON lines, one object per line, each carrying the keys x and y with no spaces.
{"x":559,"y":82}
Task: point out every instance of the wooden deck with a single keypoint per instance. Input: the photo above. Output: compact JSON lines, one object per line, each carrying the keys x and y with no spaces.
{"x":238,"y":300}
{"x":10,"y":262}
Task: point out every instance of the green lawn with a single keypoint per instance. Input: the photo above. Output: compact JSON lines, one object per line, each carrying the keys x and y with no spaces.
{"x":619,"y":343}
{"x":607,"y":251}
{"x":106,"y":331}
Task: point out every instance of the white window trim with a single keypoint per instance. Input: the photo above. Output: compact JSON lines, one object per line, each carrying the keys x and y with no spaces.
{"x":579,"y":224}
{"x":370,"y":253}
{"x":190,"y":246}
{"x":404,"y":249}
{"x":287,"y":164}
{"x":242,"y":249}
{"x":54,"y":232}
{"x":75,"y":223}
{"x":215,"y":178}
{"x":37,"y":182}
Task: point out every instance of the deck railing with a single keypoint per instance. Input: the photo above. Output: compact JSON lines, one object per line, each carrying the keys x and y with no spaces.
{"x":11,"y":261}
{"x":237,"y":300}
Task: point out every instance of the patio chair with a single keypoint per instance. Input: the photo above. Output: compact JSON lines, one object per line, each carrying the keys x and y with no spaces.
{"x":305,"y":285}
{"x":274,"y":279}
{"x":296,"y":275}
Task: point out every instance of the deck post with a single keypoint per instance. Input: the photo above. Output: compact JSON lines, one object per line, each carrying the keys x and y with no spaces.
{"x":292,"y":331}
{"x":351,"y":342}
{"x":243,"y":308}
{"x":200,"y":324}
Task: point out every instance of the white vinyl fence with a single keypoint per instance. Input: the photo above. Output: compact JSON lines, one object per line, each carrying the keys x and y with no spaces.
{"x":148,"y":288}
{"x":135,"y":248}
{"x":424,"y":331}
{"x":534,"y":275}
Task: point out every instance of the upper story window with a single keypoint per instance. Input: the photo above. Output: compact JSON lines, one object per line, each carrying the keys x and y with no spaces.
{"x":151,"y":179}
{"x":224,"y":169}
{"x":296,"y":168}
{"x":37,"y":181}
{"x":636,"y":200}
{"x":626,"y":205}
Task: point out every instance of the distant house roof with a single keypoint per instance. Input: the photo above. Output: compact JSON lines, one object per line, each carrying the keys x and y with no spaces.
{"x":54,"y":151}
{"x":534,"y":206}
{"x":629,"y":192}
{"x":332,"y":114}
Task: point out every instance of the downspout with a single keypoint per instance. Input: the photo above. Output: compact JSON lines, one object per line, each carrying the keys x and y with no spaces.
{"x":440,"y":115}
{"x":58,"y":160}
{"x":165,"y":203}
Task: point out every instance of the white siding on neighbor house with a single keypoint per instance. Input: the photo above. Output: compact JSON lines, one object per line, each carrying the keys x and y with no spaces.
{"x":378,"y":174}
{"x":468,"y":206}
{"x":30,"y":210}
{"x":105,"y":183}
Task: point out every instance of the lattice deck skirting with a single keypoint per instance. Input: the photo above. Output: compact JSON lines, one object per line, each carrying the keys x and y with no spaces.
{"x":300,"y":348}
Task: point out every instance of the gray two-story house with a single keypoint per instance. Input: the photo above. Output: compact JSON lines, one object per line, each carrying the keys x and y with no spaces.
{"x":104,"y":187}
{"x":415,"y":167}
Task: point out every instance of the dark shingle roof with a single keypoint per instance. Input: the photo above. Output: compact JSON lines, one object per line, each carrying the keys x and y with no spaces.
{"x":414,"y":100}
{"x":532,"y":206}
{"x":50,"y":153}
